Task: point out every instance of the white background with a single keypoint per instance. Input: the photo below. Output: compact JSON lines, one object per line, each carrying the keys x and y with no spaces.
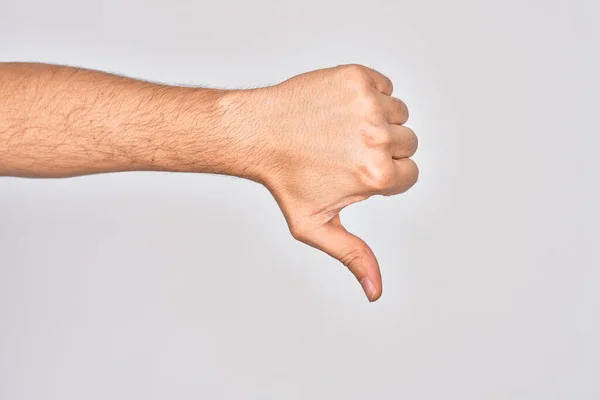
{"x":181,"y":286}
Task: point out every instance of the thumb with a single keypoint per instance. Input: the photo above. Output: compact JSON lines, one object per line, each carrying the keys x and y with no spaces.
{"x":352,"y":251}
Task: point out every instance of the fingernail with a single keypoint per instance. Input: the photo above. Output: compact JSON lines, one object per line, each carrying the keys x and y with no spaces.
{"x":368,"y":287}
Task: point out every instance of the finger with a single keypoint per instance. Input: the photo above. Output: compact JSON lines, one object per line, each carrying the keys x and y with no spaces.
{"x":395,"y":109}
{"x":407,"y":175}
{"x":353,"y":252}
{"x":381,"y":82}
{"x":404,"y":141}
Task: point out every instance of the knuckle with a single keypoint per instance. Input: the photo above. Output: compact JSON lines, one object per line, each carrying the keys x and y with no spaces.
{"x":353,"y":70}
{"x":413,"y":145}
{"x":352,"y":257}
{"x":354,"y":77}
{"x":398,"y":111}
{"x":369,"y":107}
{"x":410,"y":174}
{"x":412,"y":142}
{"x":403,"y":109}
{"x":377,"y":176}
{"x":377,"y":137}
{"x":389,"y":85}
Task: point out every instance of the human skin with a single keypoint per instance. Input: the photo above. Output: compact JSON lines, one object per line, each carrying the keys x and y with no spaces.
{"x":318,"y":142}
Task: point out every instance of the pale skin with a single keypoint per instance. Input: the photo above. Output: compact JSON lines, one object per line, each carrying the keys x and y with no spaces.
{"x":318,"y":142}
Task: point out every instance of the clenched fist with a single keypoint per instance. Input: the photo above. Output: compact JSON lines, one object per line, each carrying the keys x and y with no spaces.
{"x":322,"y":141}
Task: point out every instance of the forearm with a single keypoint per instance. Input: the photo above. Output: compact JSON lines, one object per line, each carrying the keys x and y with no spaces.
{"x":60,"y":121}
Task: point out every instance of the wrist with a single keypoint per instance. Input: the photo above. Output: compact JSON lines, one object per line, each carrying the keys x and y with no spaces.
{"x":241,"y":121}
{"x":208,"y":131}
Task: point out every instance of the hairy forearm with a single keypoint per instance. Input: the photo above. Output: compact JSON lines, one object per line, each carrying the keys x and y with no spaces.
{"x":58,"y":121}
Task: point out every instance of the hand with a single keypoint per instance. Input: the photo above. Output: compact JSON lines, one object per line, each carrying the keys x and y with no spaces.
{"x":331,"y":138}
